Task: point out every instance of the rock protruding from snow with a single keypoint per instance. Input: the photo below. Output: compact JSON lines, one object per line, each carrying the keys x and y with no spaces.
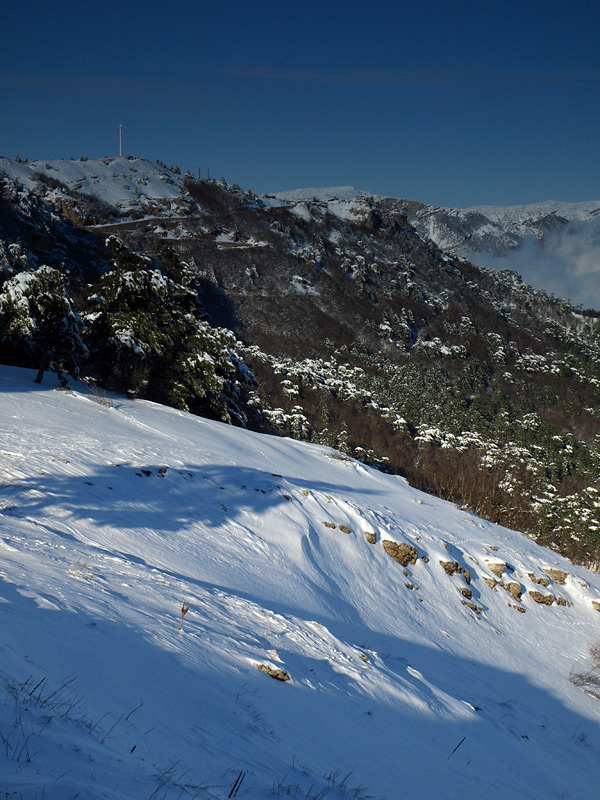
{"x":401,"y":552}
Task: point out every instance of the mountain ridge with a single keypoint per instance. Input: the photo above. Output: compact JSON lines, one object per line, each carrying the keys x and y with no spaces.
{"x":361,"y":335}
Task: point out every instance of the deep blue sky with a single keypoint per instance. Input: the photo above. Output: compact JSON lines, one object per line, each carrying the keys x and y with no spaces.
{"x":448,"y":103}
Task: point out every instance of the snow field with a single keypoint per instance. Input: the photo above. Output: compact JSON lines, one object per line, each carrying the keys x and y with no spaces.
{"x":112,"y":517}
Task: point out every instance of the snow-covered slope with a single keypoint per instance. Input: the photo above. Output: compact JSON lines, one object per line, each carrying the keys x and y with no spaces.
{"x":519,"y":215}
{"x":125,"y":183}
{"x":406,"y":681}
{"x":323,"y":194}
{"x":554,"y":245}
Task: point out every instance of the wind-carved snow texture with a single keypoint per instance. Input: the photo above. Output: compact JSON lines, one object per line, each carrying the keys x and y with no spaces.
{"x":442,"y":677}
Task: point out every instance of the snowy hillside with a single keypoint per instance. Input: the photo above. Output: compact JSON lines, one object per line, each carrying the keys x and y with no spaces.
{"x":554,"y":245}
{"x":323,"y":194}
{"x":125,"y":183}
{"x":443,"y":677}
{"x":518,"y":215}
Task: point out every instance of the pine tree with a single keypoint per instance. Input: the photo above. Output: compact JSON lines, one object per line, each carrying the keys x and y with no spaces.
{"x":147,"y":335}
{"x":39,"y":323}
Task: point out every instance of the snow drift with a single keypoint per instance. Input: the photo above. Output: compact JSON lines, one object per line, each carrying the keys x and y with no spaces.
{"x":436,"y":668}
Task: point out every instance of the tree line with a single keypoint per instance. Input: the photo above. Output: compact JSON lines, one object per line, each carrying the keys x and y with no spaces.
{"x":142,"y":330}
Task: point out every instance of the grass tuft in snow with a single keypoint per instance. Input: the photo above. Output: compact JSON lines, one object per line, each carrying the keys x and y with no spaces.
{"x":589,"y":680}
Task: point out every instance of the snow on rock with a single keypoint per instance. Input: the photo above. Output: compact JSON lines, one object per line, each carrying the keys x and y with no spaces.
{"x":395,"y":679}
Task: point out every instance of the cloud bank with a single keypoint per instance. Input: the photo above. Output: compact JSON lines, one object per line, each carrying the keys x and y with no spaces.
{"x":566,"y":263}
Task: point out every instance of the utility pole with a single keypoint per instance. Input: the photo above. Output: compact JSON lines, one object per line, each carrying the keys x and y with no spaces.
{"x":120,"y":141}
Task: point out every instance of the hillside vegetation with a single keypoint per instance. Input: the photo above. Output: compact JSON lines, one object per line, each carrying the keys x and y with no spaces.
{"x":327,"y":320}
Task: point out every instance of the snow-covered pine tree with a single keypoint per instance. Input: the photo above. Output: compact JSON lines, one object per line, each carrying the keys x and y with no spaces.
{"x":147,"y":335}
{"x":39,"y":323}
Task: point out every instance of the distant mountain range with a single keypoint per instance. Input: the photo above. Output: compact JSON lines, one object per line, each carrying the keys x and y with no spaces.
{"x":360,"y":317}
{"x":555,"y":246}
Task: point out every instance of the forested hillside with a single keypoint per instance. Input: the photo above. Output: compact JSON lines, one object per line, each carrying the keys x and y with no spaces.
{"x":329,"y":320}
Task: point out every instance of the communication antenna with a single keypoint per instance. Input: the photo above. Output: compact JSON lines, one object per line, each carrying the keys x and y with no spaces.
{"x":120,"y":141}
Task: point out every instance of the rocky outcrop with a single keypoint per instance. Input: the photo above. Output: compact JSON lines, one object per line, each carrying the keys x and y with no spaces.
{"x":278,"y":674}
{"x":557,"y":575}
{"x":477,"y":609}
{"x":543,"y":581}
{"x":401,"y":552}
{"x":451,"y":567}
{"x":514,"y":589}
{"x":543,"y":599}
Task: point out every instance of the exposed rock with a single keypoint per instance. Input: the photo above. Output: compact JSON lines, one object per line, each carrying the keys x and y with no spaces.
{"x":514,"y":589}
{"x":497,"y":567}
{"x":596,"y":605}
{"x":466,"y":575}
{"x":557,"y":575}
{"x":329,"y":524}
{"x":543,"y":581}
{"x":519,"y":608}
{"x":466,"y":592}
{"x":472,"y":606}
{"x":492,"y":547}
{"x":364,"y":657}
{"x":426,"y":559}
{"x":402,"y":553}
{"x":543,"y":599}
{"x":451,"y":567}
{"x":560,"y":601}
{"x":490,"y":582}
{"x":409,"y":585}
{"x":344,"y":528}
{"x":371,"y":537}
{"x":278,"y":674}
